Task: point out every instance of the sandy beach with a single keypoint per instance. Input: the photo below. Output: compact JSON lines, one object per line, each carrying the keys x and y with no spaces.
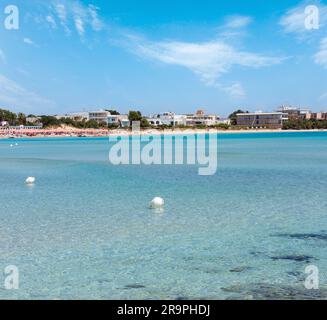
{"x":72,"y":132}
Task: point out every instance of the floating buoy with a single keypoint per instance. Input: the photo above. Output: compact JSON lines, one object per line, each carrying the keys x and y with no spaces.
{"x":16,"y":144}
{"x":157,"y":203}
{"x":30,"y":180}
{"x":11,"y":145}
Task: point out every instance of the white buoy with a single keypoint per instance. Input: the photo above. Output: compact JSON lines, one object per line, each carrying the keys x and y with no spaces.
{"x":11,"y":145}
{"x":30,"y":180}
{"x":157,"y":203}
{"x":16,"y":144}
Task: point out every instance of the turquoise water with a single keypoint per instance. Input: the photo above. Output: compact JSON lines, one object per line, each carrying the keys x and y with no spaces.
{"x":84,"y":230}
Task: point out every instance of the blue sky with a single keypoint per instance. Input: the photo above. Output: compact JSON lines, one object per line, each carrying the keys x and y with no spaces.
{"x":155,"y":56}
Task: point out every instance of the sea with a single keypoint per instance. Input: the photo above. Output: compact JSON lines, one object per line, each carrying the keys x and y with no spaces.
{"x":257,"y":229}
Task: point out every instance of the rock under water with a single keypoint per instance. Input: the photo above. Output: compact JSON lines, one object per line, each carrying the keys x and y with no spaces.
{"x":262,"y":291}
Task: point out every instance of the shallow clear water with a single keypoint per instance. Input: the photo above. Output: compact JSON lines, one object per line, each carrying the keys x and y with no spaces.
{"x":85,"y":231}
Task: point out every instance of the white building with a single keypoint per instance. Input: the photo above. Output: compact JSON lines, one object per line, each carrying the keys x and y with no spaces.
{"x":100,"y":116}
{"x":33,"y":120}
{"x":172,"y":119}
{"x":155,"y":121}
{"x":4,"y":124}
{"x":200,"y":118}
{"x":124,"y":122}
{"x":295,"y":113}
{"x":118,"y":120}
{"x":224,"y":121}
{"x":79,"y":116}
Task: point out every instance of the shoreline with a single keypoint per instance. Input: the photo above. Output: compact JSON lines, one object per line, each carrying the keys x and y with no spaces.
{"x":147,"y":132}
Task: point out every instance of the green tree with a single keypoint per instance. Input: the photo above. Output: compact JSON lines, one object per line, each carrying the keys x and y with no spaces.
{"x":6,"y":115}
{"x":145,"y":123}
{"x":21,"y":118}
{"x":49,"y":121}
{"x":233,"y":116}
{"x":92,"y":124}
{"x":113,"y":112}
{"x":223,"y":126}
{"x":134,"y":116}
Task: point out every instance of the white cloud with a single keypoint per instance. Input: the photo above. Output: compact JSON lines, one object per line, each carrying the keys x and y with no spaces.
{"x":321,"y":56}
{"x":75,"y":14}
{"x":50,"y":19}
{"x":79,"y":24}
{"x":2,"y":56}
{"x":28,"y":41}
{"x":96,"y":23}
{"x":294,"y":20}
{"x":209,"y":60}
{"x":12,"y":95}
{"x":235,"y":90}
{"x":236,"y":22}
{"x":61,"y":12}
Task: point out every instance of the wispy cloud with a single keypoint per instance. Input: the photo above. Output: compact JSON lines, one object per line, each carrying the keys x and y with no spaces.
{"x":321,"y":56}
{"x":95,"y":21}
{"x":236,"y":22}
{"x":73,"y":14}
{"x":208,"y":60}
{"x":28,"y":41}
{"x":52,"y":22}
{"x":60,"y":10}
{"x":15,"y":96}
{"x":2,"y":56}
{"x":323,"y":97}
{"x":79,"y":24}
{"x":234,"y":90}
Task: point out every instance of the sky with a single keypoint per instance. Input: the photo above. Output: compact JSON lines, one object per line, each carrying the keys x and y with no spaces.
{"x":164,"y":55}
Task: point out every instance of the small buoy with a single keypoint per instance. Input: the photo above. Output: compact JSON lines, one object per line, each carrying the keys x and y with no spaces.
{"x":16,"y":144}
{"x":11,"y":145}
{"x":30,"y":180}
{"x":157,"y":203}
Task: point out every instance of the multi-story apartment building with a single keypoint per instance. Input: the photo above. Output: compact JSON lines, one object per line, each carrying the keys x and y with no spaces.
{"x":294,"y":113}
{"x":100,"y":116}
{"x":272,"y":120}
{"x":317,"y":116}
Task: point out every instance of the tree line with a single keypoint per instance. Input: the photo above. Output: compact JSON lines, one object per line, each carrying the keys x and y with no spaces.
{"x":305,"y":124}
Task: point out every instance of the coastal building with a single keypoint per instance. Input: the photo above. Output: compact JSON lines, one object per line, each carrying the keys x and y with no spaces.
{"x":155,"y":121}
{"x":21,"y":127}
{"x":61,"y":116}
{"x":200,"y":118}
{"x":100,"y":116}
{"x":224,"y":121}
{"x":294,"y":113}
{"x":124,"y":122}
{"x":79,"y":116}
{"x":172,"y":119}
{"x":118,"y":120}
{"x":33,"y":120}
{"x":4,"y":123}
{"x":319,"y":116}
{"x":167,"y":119}
{"x":271,"y":120}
